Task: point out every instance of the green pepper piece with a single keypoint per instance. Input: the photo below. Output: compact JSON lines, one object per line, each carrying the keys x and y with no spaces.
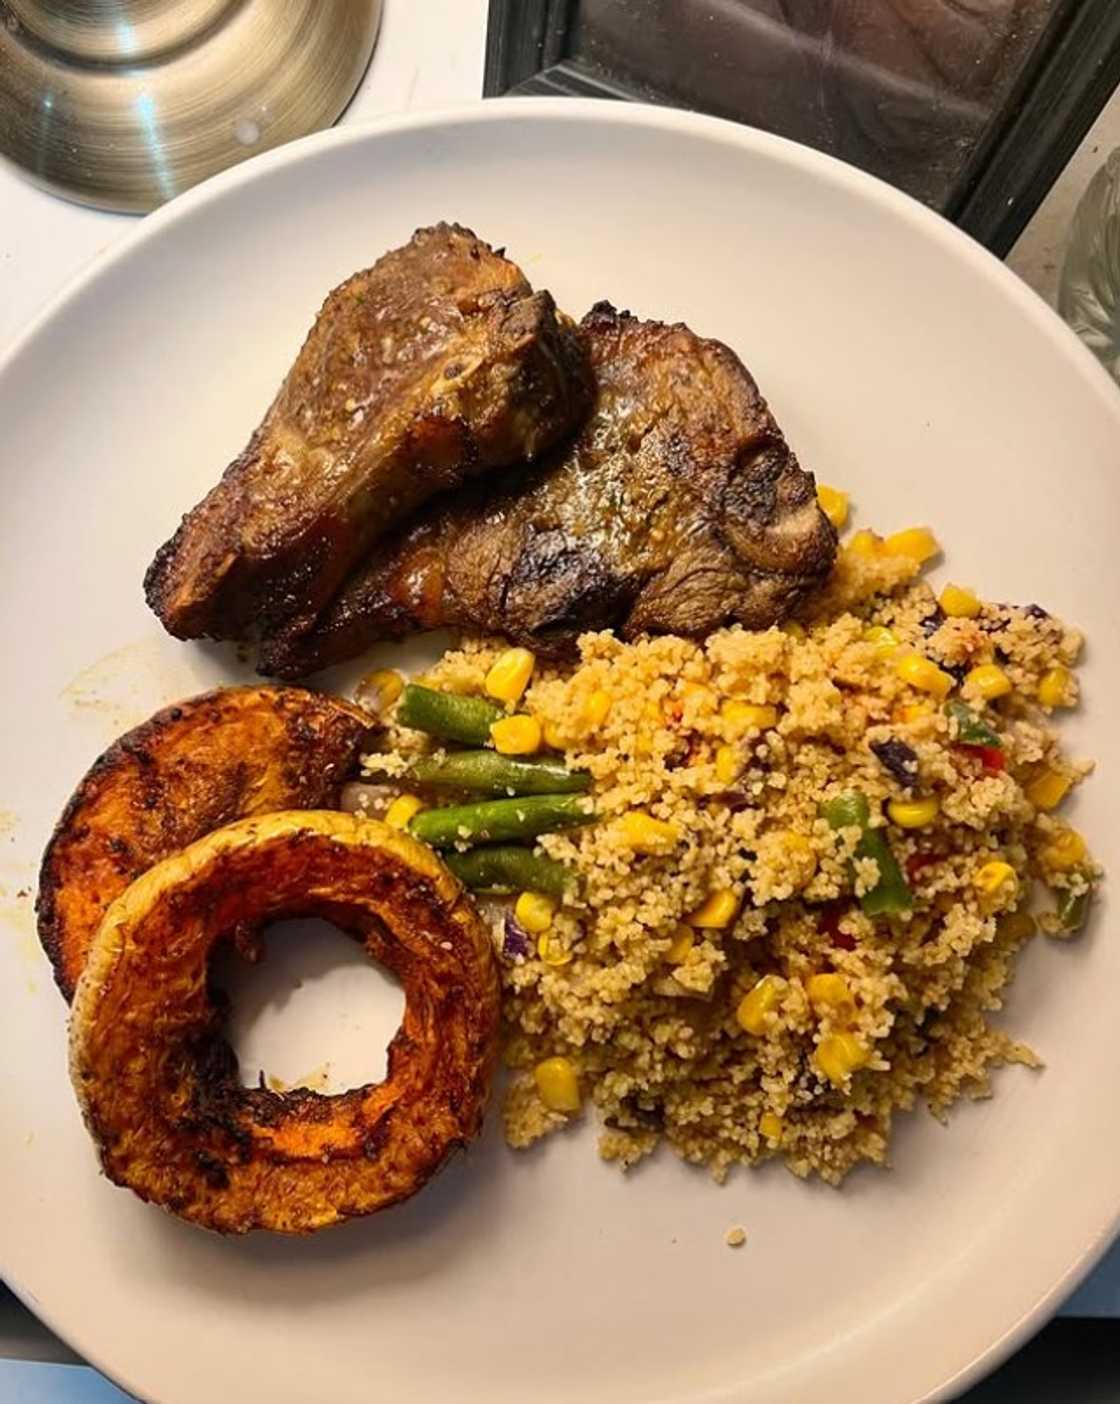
{"x":847,"y":811}
{"x":1073,"y":909}
{"x":972,"y":730}
{"x":891,"y":893}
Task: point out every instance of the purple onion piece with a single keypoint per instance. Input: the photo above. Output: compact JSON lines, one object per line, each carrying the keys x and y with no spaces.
{"x":358,"y":797}
{"x":932,"y":622}
{"x":899,"y":759}
{"x":997,"y":623}
{"x":735,"y":800}
{"x":516,"y":944}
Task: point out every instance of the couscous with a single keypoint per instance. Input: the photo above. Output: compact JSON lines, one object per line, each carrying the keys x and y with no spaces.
{"x":808,"y":860}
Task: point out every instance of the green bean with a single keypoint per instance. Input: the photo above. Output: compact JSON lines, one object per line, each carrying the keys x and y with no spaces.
{"x":447,"y":715}
{"x":493,"y":774}
{"x":498,"y":821}
{"x":1073,"y":909}
{"x":972,"y":730}
{"x":891,"y":893}
{"x":510,"y":869}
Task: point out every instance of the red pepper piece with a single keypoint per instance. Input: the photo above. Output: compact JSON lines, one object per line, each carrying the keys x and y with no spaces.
{"x":830,"y":927}
{"x":917,"y":864}
{"x":990,"y":757}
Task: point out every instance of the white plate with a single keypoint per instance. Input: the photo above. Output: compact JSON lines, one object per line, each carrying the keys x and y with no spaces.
{"x":907,"y":366}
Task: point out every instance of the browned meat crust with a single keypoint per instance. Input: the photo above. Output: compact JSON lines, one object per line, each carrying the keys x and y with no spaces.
{"x":437,"y":364}
{"x":678,"y":508}
{"x":158,"y":1082}
{"x":189,"y":769}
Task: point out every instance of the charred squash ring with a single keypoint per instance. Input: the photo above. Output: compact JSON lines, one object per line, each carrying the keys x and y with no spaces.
{"x":158,"y":1083}
{"x":191,"y":768}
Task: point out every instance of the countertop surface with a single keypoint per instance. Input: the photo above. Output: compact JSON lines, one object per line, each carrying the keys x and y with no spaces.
{"x":46,"y":241}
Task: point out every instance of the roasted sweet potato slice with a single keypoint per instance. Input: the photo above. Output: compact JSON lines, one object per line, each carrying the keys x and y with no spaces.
{"x":158,"y":1083}
{"x":191,"y":768}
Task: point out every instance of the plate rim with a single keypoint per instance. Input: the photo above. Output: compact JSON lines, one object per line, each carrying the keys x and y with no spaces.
{"x":723,"y":132}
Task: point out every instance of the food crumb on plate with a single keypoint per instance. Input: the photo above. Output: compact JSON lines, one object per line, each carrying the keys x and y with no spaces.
{"x":736,"y":1236}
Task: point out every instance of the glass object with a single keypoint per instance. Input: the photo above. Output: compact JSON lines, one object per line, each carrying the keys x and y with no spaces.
{"x":1089,"y":291}
{"x":973,"y":106}
{"x":123,"y":104}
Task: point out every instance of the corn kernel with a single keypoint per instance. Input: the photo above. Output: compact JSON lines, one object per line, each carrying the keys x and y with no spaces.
{"x":747,"y":716}
{"x":865,"y":544}
{"x":684,"y":938}
{"x":552,"y":951}
{"x":959,"y":603}
{"x":509,"y":674}
{"x":558,"y":1085}
{"x":378,"y":691}
{"x":834,"y":504}
{"x":1047,"y":790}
{"x":829,"y":994}
{"x":729,"y":764}
{"x":643,"y":744}
{"x":839,"y":1055}
{"x":699,"y":690}
{"x":914,"y":711}
{"x":988,"y":681}
{"x":516,"y":736}
{"x":1054,"y":690}
{"x":645,"y":834}
{"x":801,"y":856}
{"x":1067,"y":849}
{"x":717,"y":911}
{"x":756,"y":1006}
{"x":597,"y":707}
{"x":917,"y":543}
{"x":885,"y":640}
{"x":770,"y":1126}
{"x":919,"y":672}
{"x":1018,"y":926}
{"x":535,"y":910}
{"x":913,"y":814}
{"x":554,"y":738}
{"x":997,"y":882}
{"x":401,"y":811}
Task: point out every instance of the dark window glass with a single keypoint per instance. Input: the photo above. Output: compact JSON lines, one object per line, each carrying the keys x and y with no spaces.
{"x":904,"y":88}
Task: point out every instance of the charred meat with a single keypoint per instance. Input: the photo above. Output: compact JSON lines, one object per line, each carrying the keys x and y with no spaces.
{"x":678,"y":508}
{"x":437,"y":364}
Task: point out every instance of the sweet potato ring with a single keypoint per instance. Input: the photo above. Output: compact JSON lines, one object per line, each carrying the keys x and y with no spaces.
{"x":158,"y":1083}
{"x":187,"y":771}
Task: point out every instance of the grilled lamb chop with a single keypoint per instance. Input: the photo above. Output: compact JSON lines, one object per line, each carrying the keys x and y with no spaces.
{"x":437,"y":364}
{"x":678,"y":508}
